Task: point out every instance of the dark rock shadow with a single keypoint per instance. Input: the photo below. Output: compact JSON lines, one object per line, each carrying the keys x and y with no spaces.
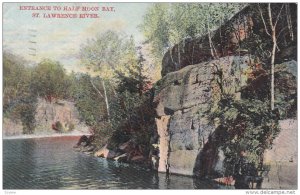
{"x":207,"y":159}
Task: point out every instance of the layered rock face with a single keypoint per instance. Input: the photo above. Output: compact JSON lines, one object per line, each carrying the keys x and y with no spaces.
{"x":235,"y":36}
{"x":281,"y":161}
{"x":12,"y":128}
{"x":195,"y":75}
{"x":48,"y":114}
{"x":184,"y":100}
{"x":188,"y":142}
{"x":61,"y":111}
{"x":164,"y":141}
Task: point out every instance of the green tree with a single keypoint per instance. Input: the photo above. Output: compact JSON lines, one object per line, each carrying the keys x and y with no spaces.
{"x":120,"y":85}
{"x":133,"y":113}
{"x":86,"y":99}
{"x":134,"y":80}
{"x":156,"y":28}
{"x":87,"y":93}
{"x":109,"y":53}
{"x":165,"y":25}
{"x":271,"y":30}
{"x":19,"y":100}
{"x":49,"y":80}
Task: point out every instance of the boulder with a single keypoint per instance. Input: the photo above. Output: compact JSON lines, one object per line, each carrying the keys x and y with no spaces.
{"x":154,"y":162}
{"x":228,"y":181}
{"x":121,"y":158}
{"x":82,"y":141}
{"x":88,"y":149}
{"x":85,"y":141}
{"x":138,"y":159}
{"x":194,"y":78}
{"x":127,"y":146}
{"x":105,"y":153}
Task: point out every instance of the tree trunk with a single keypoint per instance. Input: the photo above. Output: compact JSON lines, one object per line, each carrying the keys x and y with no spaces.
{"x":94,"y":86}
{"x":210,"y":41}
{"x":178,"y":65}
{"x":273,"y":28}
{"x":105,"y":96}
{"x":210,"y":44}
{"x":289,"y":21}
{"x":272,"y":69}
{"x":106,"y":100}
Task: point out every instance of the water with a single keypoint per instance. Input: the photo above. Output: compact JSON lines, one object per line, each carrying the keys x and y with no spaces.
{"x":51,"y":163}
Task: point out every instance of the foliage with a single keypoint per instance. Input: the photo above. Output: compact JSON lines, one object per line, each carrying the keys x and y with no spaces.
{"x":107,"y":53}
{"x":134,"y":80}
{"x":91,"y":106}
{"x":59,"y":126}
{"x":19,"y":100}
{"x":71,"y":127}
{"x":286,"y":92}
{"x":49,"y":80}
{"x":26,"y":112}
{"x":260,"y":43}
{"x":285,"y":89}
{"x":166,"y":24}
{"x":86,"y":99}
{"x":246,"y":125}
{"x":133,"y":118}
{"x":103,"y":132}
{"x":23,"y":84}
{"x":156,"y":28}
{"x":132,"y":111}
{"x":121,"y":87}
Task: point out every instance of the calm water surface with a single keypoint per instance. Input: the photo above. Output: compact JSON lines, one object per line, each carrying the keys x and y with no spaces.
{"x":51,"y":163}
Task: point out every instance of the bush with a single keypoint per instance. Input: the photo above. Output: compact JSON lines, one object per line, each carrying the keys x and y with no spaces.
{"x":59,"y":127}
{"x":71,"y":127}
{"x":249,"y":126}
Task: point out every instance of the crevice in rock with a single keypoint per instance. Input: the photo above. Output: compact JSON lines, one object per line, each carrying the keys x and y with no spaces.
{"x":192,"y":125}
{"x":176,"y":82}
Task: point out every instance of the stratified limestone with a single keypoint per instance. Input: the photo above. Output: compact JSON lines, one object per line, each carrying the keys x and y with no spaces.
{"x":184,"y":99}
{"x":281,"y":161}
{"x":235,"y":37}
{"x":164,"y":139}
{"x":61,"y":110}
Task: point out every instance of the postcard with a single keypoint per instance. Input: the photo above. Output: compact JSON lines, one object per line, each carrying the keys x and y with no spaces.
{"x":149,"y":95}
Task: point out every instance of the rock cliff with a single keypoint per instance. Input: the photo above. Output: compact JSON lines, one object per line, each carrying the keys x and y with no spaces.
{"x":193,"y":82}
{"x":184,"y":100}
{"x":46,"y":115}
{"x":61,"y":111}
{"x":281,"y":161}
{"x":238,"y":36}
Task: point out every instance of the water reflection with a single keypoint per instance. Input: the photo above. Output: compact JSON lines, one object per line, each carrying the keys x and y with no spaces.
{"x":16,"y":161}
{"x":51,"y":163}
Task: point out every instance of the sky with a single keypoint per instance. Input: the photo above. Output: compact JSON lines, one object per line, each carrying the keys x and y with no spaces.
{"x":59,"y":39}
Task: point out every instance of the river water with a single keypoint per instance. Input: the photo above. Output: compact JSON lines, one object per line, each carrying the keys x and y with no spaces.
{"x":51,"y":163}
